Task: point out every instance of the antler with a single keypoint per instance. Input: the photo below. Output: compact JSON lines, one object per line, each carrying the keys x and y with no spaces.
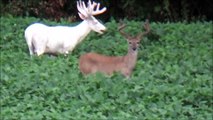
{"x":89,"y":10}
{"x":146,"y":27}
{"x":97,"y":11}
{"x":82,"y":8}
{"x":120,"y":28}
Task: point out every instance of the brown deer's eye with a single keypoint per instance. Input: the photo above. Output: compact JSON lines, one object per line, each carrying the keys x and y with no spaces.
{"x":130,"y":42}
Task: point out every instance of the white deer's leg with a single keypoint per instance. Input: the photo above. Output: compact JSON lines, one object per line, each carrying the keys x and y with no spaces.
{"x":39,"y":50}
{"x":30,"y":46}
{"x":67,"y":48}
{"x":31,"y":50}
{"x":39,"y":45}
{"x":66,"y":53}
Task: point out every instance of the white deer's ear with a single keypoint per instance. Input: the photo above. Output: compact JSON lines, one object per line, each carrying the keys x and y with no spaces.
{"x":83,"y":17}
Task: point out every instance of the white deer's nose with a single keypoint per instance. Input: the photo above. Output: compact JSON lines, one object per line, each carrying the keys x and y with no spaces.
{"x":102,"y":30}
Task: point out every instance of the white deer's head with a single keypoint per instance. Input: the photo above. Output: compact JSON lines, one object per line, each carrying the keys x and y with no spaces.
{"x":86,"y":13}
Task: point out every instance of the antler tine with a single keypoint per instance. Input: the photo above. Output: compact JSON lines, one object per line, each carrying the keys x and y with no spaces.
{"x":89,"y":9}
{"x":81,"y":7}
{"x":120,"y":28}
{"x":91,"y":6}
{"x":84,"y":6}
{"x":147,"y":28}
{"x":97,"y":11}
{"x":98,"y":6}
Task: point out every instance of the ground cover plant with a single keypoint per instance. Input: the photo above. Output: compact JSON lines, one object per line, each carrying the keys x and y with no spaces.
{"x":172,"y":78}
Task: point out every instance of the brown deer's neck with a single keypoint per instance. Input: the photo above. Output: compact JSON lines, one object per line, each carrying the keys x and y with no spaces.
{"x":131,"y":58}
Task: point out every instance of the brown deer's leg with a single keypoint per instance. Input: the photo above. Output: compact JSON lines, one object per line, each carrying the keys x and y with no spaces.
{"x":126,"y":72}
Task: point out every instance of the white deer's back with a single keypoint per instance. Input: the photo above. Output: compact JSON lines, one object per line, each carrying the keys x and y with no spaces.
{"x":57,"y":39}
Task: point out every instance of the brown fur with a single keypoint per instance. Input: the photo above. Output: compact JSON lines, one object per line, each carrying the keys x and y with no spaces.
{"x":93,"y":62}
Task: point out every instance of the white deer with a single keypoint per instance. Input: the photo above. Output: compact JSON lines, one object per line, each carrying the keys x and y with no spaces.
{"x":42,"y":39}
{"x":93,"y":62}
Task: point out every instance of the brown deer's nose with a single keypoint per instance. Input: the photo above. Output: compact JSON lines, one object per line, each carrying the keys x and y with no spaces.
{"x":134,"y":48}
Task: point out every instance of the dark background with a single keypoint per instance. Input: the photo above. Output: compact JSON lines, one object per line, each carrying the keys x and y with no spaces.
{"x":156,"y":10}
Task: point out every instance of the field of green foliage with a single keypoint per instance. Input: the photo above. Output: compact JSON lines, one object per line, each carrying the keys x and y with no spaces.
{"x":172,"y":78}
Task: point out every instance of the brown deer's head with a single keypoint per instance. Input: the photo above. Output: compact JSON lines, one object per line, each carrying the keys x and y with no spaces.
{"x":134,"y":41}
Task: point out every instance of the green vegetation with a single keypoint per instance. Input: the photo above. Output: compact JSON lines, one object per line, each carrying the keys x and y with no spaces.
{"x":172,"y":78}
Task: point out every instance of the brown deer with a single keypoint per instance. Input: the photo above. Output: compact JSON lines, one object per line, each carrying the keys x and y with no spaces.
{"x":93,"y":62}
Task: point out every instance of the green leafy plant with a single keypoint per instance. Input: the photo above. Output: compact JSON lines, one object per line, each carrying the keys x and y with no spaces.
{"x":172,"y":78}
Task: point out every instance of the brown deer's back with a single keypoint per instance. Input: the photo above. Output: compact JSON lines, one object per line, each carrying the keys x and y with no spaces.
{"x":91,"y":62}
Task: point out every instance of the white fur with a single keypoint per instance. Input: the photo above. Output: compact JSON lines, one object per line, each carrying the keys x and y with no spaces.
{"x":41,"y":38}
